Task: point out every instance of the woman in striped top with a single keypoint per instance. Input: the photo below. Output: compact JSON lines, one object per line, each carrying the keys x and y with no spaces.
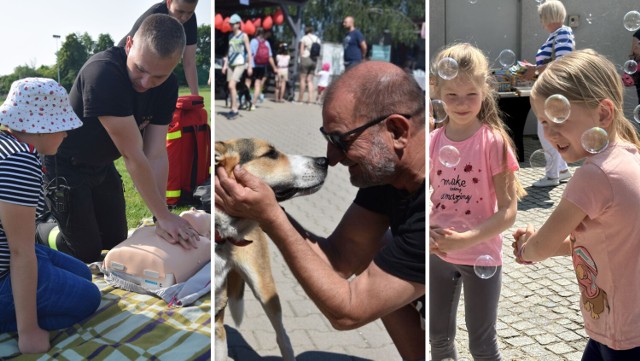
{"x":560,"y":42}
{"x":40,"y":289}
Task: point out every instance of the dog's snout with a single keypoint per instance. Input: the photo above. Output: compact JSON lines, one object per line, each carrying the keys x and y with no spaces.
{"x":321,"y":162}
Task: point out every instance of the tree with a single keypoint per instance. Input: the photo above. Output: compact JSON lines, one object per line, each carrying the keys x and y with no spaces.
{"x":203,"y":57}
{"x":104,"y":42}
{"x":71,"y":57}
{"x":372,"y":17}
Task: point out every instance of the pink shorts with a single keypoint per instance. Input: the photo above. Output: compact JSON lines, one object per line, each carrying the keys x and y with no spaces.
{"x":321,"y":89}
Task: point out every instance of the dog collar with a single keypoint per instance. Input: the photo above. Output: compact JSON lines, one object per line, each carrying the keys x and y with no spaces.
{"x":236,"y":242}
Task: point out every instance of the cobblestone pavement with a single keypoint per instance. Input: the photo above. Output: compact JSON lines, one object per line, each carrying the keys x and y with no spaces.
{"x":538,"y":319}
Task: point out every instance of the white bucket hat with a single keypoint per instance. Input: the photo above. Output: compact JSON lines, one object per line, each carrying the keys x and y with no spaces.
{"x":38,"y":105}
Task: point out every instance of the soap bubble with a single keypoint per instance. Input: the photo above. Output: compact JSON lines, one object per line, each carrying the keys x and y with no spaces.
{"x":473,"y":2}
{"x":589,"y":18}
{"x":557,"y":108}
{"x":447,"y":68}
{"x":538,"y":159}
{"x":449,"y":156}
{"x":631,"y":20}
{"x":636,"y":114}
{"x":507,"y":58}
{"x":439,"y":111}
{"x":595,"y":140}
{"x":485,"y":267}
{"x":630,"y":66}
{"x":539,"y":1}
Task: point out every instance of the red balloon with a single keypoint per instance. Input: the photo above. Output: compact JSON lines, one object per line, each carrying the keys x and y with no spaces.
{"x":226,"y":27}
{"x":278,"y":17}
{"x":249,"y":28}
{"x":267,"y":23}
{"x":242,"y":26}
{"x":219,"y":21}
{"x":257,"y":22}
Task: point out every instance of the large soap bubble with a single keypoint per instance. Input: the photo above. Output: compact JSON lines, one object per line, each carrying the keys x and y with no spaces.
{"x":447,"y":68}
{"x":631,"y":20}
{"x":507,"y":58}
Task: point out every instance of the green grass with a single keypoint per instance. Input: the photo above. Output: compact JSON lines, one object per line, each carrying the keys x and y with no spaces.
{"x":136,"y":208}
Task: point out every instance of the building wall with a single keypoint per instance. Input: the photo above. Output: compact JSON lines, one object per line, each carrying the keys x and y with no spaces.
{"x":604,"y":33}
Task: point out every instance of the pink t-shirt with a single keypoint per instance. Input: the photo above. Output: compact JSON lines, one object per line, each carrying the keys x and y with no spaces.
{"x":464,"y":195}
{"x":606,"y":250}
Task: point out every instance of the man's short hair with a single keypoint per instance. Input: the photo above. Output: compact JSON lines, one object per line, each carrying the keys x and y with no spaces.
{"x":162,"y":34}
{"x":187,"y":1}
{"x":308,"y":29}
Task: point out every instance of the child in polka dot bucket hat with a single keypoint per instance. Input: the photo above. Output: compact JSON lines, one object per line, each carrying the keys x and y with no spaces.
{"x":38,"y":106}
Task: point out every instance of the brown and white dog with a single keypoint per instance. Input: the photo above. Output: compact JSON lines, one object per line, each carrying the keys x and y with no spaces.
{"x":242,"y":253}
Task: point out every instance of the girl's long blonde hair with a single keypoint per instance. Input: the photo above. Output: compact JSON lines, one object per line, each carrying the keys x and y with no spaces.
{"x":586,"y":77}
{"x":473,"y":65}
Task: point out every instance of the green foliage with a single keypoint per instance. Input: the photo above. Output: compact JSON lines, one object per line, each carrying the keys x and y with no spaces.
{"x":203,"y":57}
{"x":372,"y":18}
{"x":72,"y":55}
{"x":104,"y":42}
{"x":77,"y":48}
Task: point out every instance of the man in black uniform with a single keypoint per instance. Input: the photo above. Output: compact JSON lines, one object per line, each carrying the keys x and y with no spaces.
{"x":125,"y":98}
{"x":183,"y":11}
{"x":374,"y":121}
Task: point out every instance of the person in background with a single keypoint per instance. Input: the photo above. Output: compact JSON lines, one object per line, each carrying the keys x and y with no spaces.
{"x":559,"y":43}
{"x":307,"y":64}
{"x":237,"y":60}
{"x":184,"y":12}
{"x":324,"y":76}
{"x":40,"y":289}
{"x":261,"y":56}
{"x":355,"y":47}
{"x":282,"y":76}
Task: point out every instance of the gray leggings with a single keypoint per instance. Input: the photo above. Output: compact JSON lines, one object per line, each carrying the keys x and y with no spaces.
{"x":481,"y":310}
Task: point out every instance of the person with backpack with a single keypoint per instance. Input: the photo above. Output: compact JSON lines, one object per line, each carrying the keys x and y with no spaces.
{"x":310,"y":46}
{"x":261,"y":56}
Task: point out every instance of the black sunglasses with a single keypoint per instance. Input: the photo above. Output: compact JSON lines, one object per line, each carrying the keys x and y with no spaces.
{"x":339,"y":139}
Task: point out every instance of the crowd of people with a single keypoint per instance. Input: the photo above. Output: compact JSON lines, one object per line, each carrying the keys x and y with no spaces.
{"x":243,"y":72}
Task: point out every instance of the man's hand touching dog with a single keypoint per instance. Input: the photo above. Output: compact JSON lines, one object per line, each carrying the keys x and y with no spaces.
{"x":255,"y":199}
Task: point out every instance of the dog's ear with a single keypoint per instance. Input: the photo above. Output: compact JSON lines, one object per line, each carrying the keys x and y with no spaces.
{"x":226,"y":157}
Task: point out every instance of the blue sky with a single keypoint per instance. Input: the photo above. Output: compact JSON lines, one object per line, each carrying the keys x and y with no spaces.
{"x":27,"y":27}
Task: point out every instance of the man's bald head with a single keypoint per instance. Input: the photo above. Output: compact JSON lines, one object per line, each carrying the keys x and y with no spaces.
{"x":377,"y":88}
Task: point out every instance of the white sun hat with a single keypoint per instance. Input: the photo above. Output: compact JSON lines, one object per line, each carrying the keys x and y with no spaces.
{"x":39,"y":106}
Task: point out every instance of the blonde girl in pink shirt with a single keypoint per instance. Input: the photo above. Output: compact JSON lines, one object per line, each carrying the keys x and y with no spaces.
{"x":473,"y":200}
{"x":596,"y":221}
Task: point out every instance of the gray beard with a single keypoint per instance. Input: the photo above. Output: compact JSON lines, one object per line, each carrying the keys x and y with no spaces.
{"x":378,"y":168}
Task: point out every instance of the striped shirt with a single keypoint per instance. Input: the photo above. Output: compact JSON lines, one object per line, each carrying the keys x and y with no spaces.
{"x":20,"y":183}
{"x":563,"y":42}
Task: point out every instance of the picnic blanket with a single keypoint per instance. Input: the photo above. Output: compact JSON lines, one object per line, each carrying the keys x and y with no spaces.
{"x":128,"y":326}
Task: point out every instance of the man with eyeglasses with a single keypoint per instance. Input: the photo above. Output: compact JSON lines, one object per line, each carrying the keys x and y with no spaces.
{"x":374,"y":123}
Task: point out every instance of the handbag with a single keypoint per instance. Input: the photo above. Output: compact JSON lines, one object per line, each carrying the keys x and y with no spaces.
{"x":627,"y":80}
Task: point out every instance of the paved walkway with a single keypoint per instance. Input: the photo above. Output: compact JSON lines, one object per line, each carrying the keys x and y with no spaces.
{"x":539,"y":318}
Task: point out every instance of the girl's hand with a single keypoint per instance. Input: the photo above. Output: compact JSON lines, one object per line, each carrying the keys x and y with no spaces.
{"x":447,"y":239}
{"x":521,"y":236}
{"x":433,"y":248}
{"x":34,"y":341}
